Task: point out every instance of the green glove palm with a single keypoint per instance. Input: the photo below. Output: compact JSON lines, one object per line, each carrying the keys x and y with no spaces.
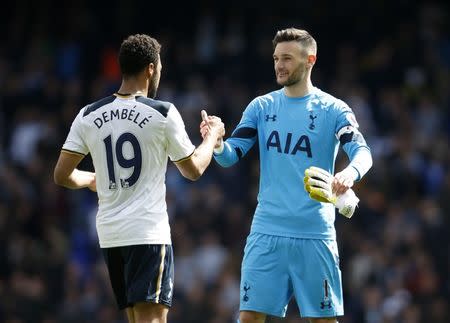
{"x":317,"y":183}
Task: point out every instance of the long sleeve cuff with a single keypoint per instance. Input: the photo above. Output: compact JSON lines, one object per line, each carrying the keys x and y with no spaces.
{"x":360,"y":163}
{"x":227,"y":157}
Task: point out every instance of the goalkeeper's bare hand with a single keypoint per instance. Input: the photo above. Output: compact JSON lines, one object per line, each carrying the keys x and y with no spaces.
{"x":342,"y":182}
{"x":319,"y":182}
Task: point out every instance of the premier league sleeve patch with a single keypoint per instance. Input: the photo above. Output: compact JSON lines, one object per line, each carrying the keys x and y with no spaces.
{"x":352,"y":120}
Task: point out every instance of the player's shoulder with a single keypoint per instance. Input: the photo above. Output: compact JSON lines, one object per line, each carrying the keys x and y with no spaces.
{"x":266,"y":99}
{"x":163,"y":107}
{"x":329,"y":101}
{"x":91,"y":107}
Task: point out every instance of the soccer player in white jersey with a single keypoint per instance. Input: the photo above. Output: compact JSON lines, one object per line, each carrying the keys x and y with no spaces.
{"x":130,"y":137}
{"x":291,"y":249}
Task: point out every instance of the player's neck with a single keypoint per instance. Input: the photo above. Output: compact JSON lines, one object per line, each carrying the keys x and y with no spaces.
{"x":131,"y":87}
{"x":299,"y":89}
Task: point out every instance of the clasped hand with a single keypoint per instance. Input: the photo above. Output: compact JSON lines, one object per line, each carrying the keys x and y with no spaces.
{"x":212,"y":125}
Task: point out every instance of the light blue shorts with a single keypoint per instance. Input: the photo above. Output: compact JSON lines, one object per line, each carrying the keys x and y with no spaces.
{"x":276,"y":268}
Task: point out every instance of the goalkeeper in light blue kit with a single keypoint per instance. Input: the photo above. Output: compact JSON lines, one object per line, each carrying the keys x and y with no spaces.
{"x":291,"y":249}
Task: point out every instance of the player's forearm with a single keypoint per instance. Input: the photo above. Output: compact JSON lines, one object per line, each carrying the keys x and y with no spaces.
{"x":76,"y":180}
{"x":360,"y":161}
{"x":228,"y":156}
{"x":202,"y":156}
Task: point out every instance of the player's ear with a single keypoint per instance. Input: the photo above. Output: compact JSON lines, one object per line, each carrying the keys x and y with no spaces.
{"x":312,"y":60}
{"x":150,"y":70}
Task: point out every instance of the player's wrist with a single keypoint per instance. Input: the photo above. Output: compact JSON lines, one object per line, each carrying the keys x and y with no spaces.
{"x":219,"y":149}
{"x":351,"y":172}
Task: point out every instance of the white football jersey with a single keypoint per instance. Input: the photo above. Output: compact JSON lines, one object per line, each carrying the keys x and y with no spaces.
{"x":130,"y":140}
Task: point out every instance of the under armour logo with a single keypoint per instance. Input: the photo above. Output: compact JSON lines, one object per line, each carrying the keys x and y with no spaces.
{"x":246,"y":288}
{"x":326,"y":298}
{"x":269,"y":117}
{"x":325,"y":304}
{"x":312,"y":125}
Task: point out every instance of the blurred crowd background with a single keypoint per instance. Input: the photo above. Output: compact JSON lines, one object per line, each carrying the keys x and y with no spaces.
{"x":389,"y":60}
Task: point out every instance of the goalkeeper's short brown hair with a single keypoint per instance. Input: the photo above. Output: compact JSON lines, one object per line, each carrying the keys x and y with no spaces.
{"x":136,"y":52}
{"x":299,"y":35}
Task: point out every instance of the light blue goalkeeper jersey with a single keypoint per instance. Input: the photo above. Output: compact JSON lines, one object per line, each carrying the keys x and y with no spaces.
{"x":293,"y":134}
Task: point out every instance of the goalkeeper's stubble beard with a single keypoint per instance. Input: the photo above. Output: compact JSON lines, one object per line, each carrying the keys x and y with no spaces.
{"x":299,"y":75}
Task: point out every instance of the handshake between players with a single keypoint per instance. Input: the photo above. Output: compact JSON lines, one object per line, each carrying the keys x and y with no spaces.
{"x":319,"y":183}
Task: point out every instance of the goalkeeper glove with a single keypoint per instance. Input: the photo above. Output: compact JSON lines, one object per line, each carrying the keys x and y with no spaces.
{"x":318,"y":183}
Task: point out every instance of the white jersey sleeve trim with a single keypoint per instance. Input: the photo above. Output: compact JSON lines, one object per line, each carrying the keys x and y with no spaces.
{"x":75,"y":141}
{"x":179,"y":143}
{"x":185,"y":158}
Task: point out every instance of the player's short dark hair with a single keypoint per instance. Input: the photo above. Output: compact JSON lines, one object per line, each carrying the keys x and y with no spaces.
{"x":294,"y":34}
{"x":136,"y":52}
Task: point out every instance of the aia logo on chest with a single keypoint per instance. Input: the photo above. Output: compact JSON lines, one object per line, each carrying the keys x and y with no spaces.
{"x":291,"y":145}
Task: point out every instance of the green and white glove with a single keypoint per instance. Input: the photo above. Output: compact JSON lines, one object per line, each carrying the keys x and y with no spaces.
{"x":318,"y":183}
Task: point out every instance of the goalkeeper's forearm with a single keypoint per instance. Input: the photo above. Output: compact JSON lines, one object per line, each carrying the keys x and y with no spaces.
{"x":226,"y":156}
{"x":360,"y":161}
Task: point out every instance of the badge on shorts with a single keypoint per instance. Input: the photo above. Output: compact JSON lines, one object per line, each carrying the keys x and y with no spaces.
{"x":246,"y":287}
